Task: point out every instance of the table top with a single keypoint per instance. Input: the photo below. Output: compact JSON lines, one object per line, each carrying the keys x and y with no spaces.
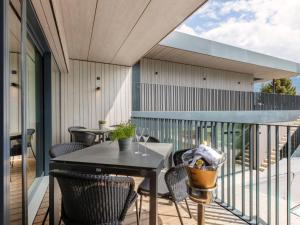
{"x":108,"y":154}
{"x":94,"y":130}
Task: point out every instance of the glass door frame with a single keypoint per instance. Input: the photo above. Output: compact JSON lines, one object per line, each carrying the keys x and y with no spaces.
{"x":30,"y":28}
{"x":4,"y":113}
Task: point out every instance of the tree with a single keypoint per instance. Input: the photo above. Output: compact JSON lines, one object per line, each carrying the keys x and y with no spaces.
{"x":283,"y":86}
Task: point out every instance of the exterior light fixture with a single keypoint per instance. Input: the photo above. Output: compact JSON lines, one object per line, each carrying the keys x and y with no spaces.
{"x":13,"y":84}
{"x":98,"y":83}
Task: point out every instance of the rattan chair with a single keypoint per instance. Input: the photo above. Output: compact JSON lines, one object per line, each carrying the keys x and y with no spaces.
{"x":171,"y":185}
{"x":72,"y":128}
{"x":177,"y":156}
{"x":16,"y":149}
{"x":150,"y":140}
{"x":86,"y":138}
{"x":94,"y":199}
{"x":61,"y":149}
{"x":30,"y":133}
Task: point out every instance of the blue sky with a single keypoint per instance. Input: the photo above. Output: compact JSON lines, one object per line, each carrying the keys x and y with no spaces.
{"x":267,"y":26}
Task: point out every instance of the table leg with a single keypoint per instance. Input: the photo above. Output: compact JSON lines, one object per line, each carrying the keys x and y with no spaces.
{"x":153,"y":199}
{"x":201,"y":214}
{"x":53,"y":201}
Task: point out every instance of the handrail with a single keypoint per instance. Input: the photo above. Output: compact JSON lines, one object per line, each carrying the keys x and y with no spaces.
{"x":241,"y":179}
{"x":162,"y":97}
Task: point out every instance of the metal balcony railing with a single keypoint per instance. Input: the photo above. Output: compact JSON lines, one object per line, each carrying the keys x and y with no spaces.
{"x":255,"y":182}
{"x":158,"y":97}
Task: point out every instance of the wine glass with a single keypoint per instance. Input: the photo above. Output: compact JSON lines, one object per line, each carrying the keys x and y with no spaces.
{"x":146,"y":135}
{"x":138,"y":135}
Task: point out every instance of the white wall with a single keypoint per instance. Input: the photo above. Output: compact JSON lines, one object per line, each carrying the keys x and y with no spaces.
{"x":15,"y":106}
{"x":192,"y":76}
{"x":83,"y":105}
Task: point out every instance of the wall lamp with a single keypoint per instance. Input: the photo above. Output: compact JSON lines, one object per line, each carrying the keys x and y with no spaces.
{"x":98,"y":83}
{"x":13,"y":84}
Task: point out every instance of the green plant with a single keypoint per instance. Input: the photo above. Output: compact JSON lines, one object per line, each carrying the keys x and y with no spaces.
{"x":123,"y":131}
{"x":283,"y":86}
{"x":101,"y":122}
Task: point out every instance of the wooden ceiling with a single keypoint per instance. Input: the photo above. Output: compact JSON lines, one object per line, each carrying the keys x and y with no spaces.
{"x":110,"y":31}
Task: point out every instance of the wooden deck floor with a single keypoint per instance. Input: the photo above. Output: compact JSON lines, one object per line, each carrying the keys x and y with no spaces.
{"x":167,"y":215}
{"x":16,"y":187}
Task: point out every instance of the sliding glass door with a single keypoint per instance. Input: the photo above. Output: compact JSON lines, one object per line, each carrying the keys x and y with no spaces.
{"x":16,"y":182}
{"x":26,"y":119}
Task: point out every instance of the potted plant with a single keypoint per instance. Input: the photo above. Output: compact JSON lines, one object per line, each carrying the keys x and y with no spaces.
{"x":124,"y":134}
{"x":101,"y":124}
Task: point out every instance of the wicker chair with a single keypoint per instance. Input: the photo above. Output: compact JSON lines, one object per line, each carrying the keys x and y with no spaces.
{"x":16,"y":149}
{"x":177,"y":156}
{"x":94,"y":199}
{"x":171,"y":185}
{"x":72,"y":128}
{"x":86,"y":138}
{"x":151,"y":140}
{"x":61,"y":149}
{"x":30,"y":133}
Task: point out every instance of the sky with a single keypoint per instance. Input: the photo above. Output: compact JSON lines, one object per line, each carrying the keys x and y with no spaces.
{"x":270,"y":27}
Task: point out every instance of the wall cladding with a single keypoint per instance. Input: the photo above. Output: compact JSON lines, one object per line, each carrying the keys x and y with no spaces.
{"x":83,"y":105}
{"x":163,"y":72}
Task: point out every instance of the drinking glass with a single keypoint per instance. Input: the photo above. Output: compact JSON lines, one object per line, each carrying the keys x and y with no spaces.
{"x":146,"y":136}
{"x":138,"y":135}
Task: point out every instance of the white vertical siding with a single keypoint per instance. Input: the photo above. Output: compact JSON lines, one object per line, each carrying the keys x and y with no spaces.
{"x":193,"y":76}
{"x":15,"y":100}
{"x":82,"y":104}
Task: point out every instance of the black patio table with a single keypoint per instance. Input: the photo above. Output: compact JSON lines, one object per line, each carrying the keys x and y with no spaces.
{"x":105,"y":158}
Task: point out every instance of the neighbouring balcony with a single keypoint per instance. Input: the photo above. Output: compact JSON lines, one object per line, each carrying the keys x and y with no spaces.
{"x":159,"y":97}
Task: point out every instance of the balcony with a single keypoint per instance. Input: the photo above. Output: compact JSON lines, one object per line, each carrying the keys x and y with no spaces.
{"x":259,"y":181}
{"x":161,"y":97}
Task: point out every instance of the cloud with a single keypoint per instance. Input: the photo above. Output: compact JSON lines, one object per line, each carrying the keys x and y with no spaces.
{"x":186,"y":29}
{"x":267,"y":26}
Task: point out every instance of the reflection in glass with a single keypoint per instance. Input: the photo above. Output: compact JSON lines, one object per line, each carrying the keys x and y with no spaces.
{"x":15,"y":119}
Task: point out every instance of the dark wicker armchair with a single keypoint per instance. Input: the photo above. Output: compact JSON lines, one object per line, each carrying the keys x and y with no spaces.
{"x":177,"y":156}
{"x":171,"y":185}
{"x":94,"y":199}
{"x":150,"y":140}
{"x":72,"y":128}
{"x":61,"y":149}
{"x":86,"y":138}
{"x":16,"y":149}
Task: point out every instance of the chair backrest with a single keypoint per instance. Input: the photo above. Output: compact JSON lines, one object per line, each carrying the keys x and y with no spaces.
{"x":61,"y":149}
{"x":75,"y":127}
{"x":72,"y":128}
{"x":176,"y":182}
{"x":151,"y":140}
{"x":86,"y":138}
{"x":30,"y":133}
{"x":177,"y":156}
{"x":94,"y":199}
